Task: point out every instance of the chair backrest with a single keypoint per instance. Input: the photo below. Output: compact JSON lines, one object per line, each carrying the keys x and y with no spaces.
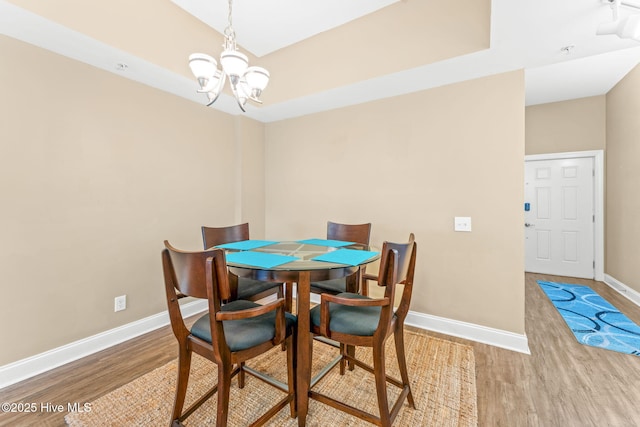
{"x":358,"y":233}
{"x":405,"y":264}
{"x":214,"y":236}
{"x":201,"y":275}
{"x":187,"y":272}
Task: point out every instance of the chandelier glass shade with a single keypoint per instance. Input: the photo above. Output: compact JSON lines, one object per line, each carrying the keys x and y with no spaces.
{"x":247,"y":83}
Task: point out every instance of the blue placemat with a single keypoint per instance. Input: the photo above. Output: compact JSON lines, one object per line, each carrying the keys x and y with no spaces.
{"x":325,"y":242}
{"x":246,"y":245}
{"x":259,"y":259}
{"x":346,"y":256}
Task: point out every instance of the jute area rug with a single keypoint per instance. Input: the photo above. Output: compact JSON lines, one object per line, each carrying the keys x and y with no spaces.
{"x":442,"y":377}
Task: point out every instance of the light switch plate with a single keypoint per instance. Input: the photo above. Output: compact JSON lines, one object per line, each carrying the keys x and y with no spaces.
{"x":462,"y":223}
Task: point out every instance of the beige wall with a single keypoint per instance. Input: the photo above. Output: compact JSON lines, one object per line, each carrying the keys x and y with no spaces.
{"x":250,"y":173}
{"x":623,"y":181}
{"x":372,"y":46}
{"x":410,"y":164}
{"x":95,"y":172}
{"x":567,"y":126}
{"x":607,"y":122}
{"x":99,"y":170}
{"x":157,"y":31}
{"x":377,"y":44}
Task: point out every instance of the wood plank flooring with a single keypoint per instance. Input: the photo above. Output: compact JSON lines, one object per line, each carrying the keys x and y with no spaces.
{"x":562,"y":383}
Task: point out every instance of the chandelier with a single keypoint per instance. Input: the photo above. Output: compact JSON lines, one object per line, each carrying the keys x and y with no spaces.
{"x":247,"y":83}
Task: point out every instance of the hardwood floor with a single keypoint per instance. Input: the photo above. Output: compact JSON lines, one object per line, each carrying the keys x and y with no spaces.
{"x":562,"y":382}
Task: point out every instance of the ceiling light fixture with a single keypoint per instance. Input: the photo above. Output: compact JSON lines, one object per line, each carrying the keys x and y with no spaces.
{"x":247,"y":83}
{"x":625,"y":28}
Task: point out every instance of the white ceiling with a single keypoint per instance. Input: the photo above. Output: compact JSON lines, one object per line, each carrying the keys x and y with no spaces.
{"x":525,"y":34}
{"x":263,"y":26}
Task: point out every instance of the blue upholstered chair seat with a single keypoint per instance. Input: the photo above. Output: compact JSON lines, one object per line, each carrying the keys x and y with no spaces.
{"x":333,"y":286}
{"x":361,"y":321}
{"x":244,"y":333}
{"x":249,"y":287}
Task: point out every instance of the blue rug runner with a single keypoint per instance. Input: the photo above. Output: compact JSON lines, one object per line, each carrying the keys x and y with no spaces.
{"x":592,"y":319}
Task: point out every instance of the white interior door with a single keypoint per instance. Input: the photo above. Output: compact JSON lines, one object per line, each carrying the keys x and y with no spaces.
{"x":559,"y":217}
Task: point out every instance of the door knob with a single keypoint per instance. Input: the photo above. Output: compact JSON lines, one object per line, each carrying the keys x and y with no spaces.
{"x":526,"y":224}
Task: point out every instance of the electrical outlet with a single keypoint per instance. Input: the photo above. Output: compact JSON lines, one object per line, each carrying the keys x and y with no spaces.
{"x":120,"y":303}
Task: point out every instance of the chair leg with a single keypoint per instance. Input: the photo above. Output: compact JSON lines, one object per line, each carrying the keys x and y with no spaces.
{"x":288,"y":303}
{"x":363,"y":285}
{"x":184,"y":367}
{"x":351,"y":351}
{"x":224,"y":388}
{"x":402,"y":363}
{"x":241,"y":376}
{"x":292,"y":366}
{"x":381,"y":385}
{"x":288,"y":296}
{"x":343,"y":361}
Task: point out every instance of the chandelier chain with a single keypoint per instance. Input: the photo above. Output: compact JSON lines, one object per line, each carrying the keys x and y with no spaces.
{"x":230,"y":34}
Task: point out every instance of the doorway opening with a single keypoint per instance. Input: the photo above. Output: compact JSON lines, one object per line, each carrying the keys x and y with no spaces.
{"x":540,"y":243}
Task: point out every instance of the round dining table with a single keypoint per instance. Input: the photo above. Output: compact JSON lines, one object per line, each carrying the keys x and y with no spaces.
{"x":302,"y":269}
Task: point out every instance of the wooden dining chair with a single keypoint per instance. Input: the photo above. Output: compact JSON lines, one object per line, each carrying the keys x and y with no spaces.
{"x":228,"y":334}
{"x":356,"y":320}
{"x":357,"y":233}
{"x":243,"y":287}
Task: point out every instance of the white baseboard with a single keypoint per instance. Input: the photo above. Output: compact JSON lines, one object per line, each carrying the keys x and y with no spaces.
{"x":623,"y":289}
{"x":469,"y":331}
{"x":315,"y":298}
{"x":34,"y":365}
{"x":31,"y":366}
